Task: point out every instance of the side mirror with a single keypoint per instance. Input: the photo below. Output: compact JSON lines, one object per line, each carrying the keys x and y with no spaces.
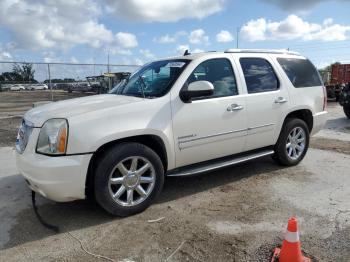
{"x":197,"y":89}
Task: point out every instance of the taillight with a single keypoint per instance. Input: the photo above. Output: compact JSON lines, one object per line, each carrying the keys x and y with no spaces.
{"x":324,"y":98}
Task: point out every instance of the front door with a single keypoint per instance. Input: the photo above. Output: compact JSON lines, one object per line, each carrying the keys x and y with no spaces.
{"x":213,"y":126}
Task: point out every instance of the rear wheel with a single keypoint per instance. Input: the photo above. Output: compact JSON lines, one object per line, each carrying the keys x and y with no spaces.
{"x":128,"y":178}
{"x":347,"y":110}
{"x":292,"y":143}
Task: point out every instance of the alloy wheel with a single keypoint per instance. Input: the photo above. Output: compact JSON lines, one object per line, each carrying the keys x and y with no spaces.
{"x":295,"y":145}
{"x":131,"y":181}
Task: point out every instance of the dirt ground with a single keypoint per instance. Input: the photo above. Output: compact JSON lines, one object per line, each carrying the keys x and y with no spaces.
{"x":235,"y":214}
{"x":14,"y":104}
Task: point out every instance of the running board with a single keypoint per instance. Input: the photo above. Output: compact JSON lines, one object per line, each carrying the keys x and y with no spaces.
{"x":217,"y":164}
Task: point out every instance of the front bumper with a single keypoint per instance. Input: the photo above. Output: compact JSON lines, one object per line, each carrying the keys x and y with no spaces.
{"x":319,"y":121}
{"x":60,"y":178}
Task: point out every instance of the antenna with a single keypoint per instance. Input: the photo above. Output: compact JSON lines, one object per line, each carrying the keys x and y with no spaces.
{"x":186,"y":53}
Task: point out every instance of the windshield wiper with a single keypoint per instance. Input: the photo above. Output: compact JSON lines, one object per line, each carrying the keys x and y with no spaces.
{"x":143,"y":86}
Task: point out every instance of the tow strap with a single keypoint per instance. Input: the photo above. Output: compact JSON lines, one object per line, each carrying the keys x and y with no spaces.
{"x":45,"y":224}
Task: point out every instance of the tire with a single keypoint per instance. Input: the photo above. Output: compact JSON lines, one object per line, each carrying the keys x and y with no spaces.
{"x":286,"y":155}
{"x":109,"y":169}
{"x":347,"y":111}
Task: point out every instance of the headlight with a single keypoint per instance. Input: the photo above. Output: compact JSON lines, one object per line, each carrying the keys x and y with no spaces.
{"x":53,"y":137}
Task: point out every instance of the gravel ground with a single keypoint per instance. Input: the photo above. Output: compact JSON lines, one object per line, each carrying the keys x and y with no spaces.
{"x":235,"y":214}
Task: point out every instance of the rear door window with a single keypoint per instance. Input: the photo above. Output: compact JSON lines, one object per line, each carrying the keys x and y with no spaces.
{"x":301,"y":72}
{"x":259,"y":75}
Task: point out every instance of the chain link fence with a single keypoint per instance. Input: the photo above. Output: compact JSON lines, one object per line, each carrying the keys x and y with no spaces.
{"x":59,"y":77}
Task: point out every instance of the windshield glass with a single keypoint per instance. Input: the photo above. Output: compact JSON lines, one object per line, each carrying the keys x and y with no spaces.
{"x":152,"y":80}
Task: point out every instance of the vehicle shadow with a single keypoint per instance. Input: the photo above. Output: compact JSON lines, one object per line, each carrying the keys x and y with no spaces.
{"x":341,"y":124}
{"x":84,"y":214}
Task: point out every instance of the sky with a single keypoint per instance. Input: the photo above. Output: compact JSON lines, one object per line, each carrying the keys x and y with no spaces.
{"x":137,"y":31}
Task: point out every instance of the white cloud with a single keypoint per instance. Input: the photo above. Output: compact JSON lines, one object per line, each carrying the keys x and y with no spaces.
{"x":61,"y":24}
{"x":198,"y":50}
{"x":137,"y":61}
{"x":148,"y":54}
{"x":254,"y":30}
{"x":126,"y":40}
{"x":165,"y":39}
{"x":224,"y":37}
{"x":164,"y":11}
{"x":182,"y":48}
{"x":131,"y":61}
{"x":330,"y":33}
{"x":293,"y":27}
{"x":328,"y":21}
{"x":5,"y":56}
{"x":50,"y":57}
{"x":198,"y":36}
{"x":289,"y":5}
{"x":116,"y":50}
{"x":54,"y":24}
{"x":74,"y":60}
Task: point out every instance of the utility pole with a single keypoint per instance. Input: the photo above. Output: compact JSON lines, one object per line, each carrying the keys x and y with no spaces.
{"x":109,"y":78}
{"x":48,"y":69}
{"x":108,"y":62}
{"x":94,"y":64}
{"x":237,"y":37}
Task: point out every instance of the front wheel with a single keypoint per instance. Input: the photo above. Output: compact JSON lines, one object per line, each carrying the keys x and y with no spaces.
{"x":292,"y":143}
{"x":128,"y":178}
{"x":347,"y":110}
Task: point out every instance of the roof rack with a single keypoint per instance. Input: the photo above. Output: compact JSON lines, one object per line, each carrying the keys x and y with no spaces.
{"x":267,"y":51}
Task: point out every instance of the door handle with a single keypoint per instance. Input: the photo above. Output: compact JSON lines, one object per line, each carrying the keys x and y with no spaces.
{"x":234,"y":107}
{"x":280,"y":100}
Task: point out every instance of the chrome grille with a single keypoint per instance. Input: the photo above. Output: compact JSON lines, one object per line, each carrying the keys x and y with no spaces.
{"x":24,"y":133}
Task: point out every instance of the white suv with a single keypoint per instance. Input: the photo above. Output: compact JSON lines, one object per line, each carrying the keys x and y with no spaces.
{"x":173,"y":117}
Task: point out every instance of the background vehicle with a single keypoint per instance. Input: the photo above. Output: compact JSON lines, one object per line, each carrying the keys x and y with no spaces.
{"x":103,"y":83}
{"x":173,"y":117}
{"x":33,"y":87}
{"x":339,"y":76}
{"x":344,"y":100}
{"x":80,"y":87}
{"x":17,"y":87}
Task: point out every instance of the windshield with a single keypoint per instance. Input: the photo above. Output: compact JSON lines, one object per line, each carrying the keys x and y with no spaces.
{"x":152,"y":80}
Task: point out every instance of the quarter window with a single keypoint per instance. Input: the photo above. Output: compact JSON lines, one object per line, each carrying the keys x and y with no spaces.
{"x":300,"y":72}
{"x":219,"y":72}
{"x":259,"y":75}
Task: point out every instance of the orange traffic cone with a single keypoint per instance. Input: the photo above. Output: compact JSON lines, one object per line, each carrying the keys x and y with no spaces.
{"x":291,"y":249}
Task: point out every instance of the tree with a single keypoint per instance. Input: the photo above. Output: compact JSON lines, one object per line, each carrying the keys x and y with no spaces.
{"x":12,"y":76}
{"x":329,"y":67}
{"x":26,"y":71}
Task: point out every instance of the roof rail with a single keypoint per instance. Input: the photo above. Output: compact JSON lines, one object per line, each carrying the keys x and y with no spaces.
{"x":267,"y":51}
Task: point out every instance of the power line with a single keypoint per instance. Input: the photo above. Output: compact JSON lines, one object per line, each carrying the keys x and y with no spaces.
{"x":63,"y":63}
{"x":323,"y":48}
{"x":320,"y":43}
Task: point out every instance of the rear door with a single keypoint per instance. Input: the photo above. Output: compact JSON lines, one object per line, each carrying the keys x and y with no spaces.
{"x":267,"y":99}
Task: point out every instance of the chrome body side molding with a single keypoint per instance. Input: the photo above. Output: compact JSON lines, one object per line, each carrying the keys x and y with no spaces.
{"x":185,"y":141}
{"x":256,"y":127}
{"x":217,"y":164}
{"x":210,"y":136}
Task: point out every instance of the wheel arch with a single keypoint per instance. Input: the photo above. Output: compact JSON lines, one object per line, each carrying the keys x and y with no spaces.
{"x":303,"y":114}
{"x":152,"y":141}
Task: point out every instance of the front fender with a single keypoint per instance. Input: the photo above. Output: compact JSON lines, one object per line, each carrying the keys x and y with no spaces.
{"x":89,"y":132}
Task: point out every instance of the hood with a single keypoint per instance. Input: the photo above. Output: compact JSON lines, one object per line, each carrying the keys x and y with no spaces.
{"x":76,"y":106}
